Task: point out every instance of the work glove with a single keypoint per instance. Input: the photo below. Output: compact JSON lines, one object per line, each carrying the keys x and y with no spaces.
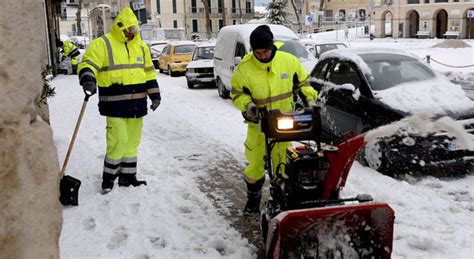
{"x":154,"y":104}
{"x":250,"y":113}
{"x":89,"y":84}
{"x":311,"y":104}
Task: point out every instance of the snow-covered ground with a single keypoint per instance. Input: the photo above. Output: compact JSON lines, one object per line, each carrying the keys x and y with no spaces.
{"x":194,"y":130}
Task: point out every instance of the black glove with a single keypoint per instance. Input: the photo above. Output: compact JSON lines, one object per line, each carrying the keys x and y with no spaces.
{"x":154,"y":104}
{"x":89,"y":84}
{"x":251,"y":112}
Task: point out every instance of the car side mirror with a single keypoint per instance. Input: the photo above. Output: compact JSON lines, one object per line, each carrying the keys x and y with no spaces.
{"x":237,"y":60}
{"x":316,"y":85}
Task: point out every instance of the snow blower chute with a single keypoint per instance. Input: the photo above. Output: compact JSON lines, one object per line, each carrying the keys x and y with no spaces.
{"x":305,"y":217}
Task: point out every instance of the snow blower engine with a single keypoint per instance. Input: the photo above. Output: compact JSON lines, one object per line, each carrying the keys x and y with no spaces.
{"x":305,"y":217}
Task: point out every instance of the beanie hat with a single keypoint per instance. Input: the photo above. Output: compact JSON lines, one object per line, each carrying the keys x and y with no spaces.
{"x":261,"y":38}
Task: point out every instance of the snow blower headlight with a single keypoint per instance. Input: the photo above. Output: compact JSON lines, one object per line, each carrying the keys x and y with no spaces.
{"x":285,"y":123}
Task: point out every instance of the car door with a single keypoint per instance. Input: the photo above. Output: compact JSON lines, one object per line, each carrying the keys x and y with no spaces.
{"x":340,"y":97}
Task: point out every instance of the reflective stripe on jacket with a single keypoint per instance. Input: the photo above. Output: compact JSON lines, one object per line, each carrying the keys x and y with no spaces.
{"x":123,"y":69}
{"x":272,"y":84}
{"x":70,"y":50}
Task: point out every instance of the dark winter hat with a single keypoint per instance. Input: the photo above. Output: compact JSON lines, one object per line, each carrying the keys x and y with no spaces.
{"x":261,"y":38}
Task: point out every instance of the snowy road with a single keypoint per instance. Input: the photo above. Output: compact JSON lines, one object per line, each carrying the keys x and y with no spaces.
{"x":192,"y":157}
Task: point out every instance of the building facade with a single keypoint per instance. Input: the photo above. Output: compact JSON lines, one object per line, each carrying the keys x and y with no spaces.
{"x":396,"y":18}
{"x":190,"y":15}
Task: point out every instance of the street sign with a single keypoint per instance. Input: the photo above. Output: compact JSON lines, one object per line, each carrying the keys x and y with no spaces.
{"x":470,"y":14}
{"x":308,"y":20}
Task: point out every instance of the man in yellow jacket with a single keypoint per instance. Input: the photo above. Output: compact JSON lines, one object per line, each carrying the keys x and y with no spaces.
{"x":70,"y":50}
{"x":267,"y":78}
{"x":120,"y":64}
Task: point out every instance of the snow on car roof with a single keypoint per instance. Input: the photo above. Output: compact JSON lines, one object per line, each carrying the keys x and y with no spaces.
{"x":175,"y":43}
{"x":206,"y":44}
{"x":279,"y":31}
{"x":353,"y":54}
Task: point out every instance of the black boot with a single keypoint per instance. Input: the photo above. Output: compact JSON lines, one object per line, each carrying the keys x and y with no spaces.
{"x":254,"y":195}
{"x":108,"y":181}
{"x":126,"y":180}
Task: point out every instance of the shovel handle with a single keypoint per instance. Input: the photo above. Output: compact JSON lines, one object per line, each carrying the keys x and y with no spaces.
{"x":76,"y":129}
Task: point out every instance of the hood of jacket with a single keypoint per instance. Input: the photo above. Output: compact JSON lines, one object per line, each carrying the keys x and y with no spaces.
{"x":126,"y":18}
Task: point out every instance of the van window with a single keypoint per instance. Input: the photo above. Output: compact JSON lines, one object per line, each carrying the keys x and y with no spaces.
{"x":240,"y":50}
{"x":184,"y":49}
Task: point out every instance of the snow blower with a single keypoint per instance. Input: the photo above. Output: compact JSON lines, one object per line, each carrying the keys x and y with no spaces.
{"x":69,"y":186}
{"x":305,"y":217}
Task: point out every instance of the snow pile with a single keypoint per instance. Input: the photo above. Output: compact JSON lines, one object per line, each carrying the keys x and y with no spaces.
{"x":452,"y":44}
{"x":423,"y":123}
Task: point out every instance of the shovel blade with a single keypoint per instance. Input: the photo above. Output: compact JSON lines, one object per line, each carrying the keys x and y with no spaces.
{"x":69,"y":191}
{"x":346,"y":231}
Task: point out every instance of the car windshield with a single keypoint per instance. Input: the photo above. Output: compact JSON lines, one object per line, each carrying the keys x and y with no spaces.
{"x":203,"y":53}
{"x":295,"y":48}
{"x":184,"y":49}
{"x":327,"y":47}
{"x":389,"y":70}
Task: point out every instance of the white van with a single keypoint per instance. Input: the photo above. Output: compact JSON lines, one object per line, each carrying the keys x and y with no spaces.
{"x":233,"y":42}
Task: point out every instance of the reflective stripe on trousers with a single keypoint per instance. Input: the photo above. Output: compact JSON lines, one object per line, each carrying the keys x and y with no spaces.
{"x":126,"y":165}
{"x":123,"y":139}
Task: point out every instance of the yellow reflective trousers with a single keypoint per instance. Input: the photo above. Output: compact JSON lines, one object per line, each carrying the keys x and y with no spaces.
{"x":123,"y":137}
{"x":255,"y":151}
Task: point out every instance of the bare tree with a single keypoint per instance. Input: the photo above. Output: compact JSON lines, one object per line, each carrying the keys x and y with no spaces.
{"x":297,"y":15}
{"x":321,"y":6}
{"x":240,"y":11}
{"x":78,"y":19}
{"x":208,"y":19}
{"x":223,"y":13}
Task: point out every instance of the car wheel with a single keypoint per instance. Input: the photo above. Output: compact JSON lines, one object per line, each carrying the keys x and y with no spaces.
{"x":375,"y":156}
{"x":190,"y":84}
{"x":161,"y":70}
{"x":224,"y":93}
{"x":170,"y":72}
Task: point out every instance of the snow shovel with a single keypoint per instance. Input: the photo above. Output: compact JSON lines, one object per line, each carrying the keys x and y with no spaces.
{"x":69,"y":186}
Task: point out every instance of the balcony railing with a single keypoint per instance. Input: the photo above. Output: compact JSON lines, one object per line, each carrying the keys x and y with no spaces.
{"x":200,"y":10}
{"x":218,"y":10}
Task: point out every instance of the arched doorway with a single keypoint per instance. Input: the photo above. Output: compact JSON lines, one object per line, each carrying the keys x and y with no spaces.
{"x":387,"y":24}
{"x":413,"y":23}
{"x":441,"y":25}
{"x":469,"y":26}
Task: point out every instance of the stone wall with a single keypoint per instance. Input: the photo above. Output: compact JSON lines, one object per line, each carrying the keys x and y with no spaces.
{"x":30,"y":213}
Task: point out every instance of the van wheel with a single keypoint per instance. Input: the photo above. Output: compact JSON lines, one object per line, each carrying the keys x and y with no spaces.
{"x":224,"y":93}
{"x":170,"y":72}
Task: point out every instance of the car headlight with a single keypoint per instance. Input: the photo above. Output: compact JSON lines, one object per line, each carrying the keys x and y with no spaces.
{"x":191,"y":70}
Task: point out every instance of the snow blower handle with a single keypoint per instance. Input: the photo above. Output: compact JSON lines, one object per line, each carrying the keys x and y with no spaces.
{"x":76,"y":129}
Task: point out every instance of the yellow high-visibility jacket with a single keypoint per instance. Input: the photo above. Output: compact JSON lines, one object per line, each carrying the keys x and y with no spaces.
{"x":271,"y":84}
{"x":124,"y":71}
{"x":70,"y":50}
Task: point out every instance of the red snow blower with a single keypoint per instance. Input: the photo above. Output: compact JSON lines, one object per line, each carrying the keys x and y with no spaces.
{"x":305,"y":217}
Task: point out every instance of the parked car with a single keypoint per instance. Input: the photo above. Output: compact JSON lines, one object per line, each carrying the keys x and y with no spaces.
{"x":154,"y":57}
{"x":175,"y":57}
{"x":156,"y":47}
{"x":362,"y":89}
{"x":318,"y":47}
{"x":201,"y":68}
{"x":233,"y":42}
